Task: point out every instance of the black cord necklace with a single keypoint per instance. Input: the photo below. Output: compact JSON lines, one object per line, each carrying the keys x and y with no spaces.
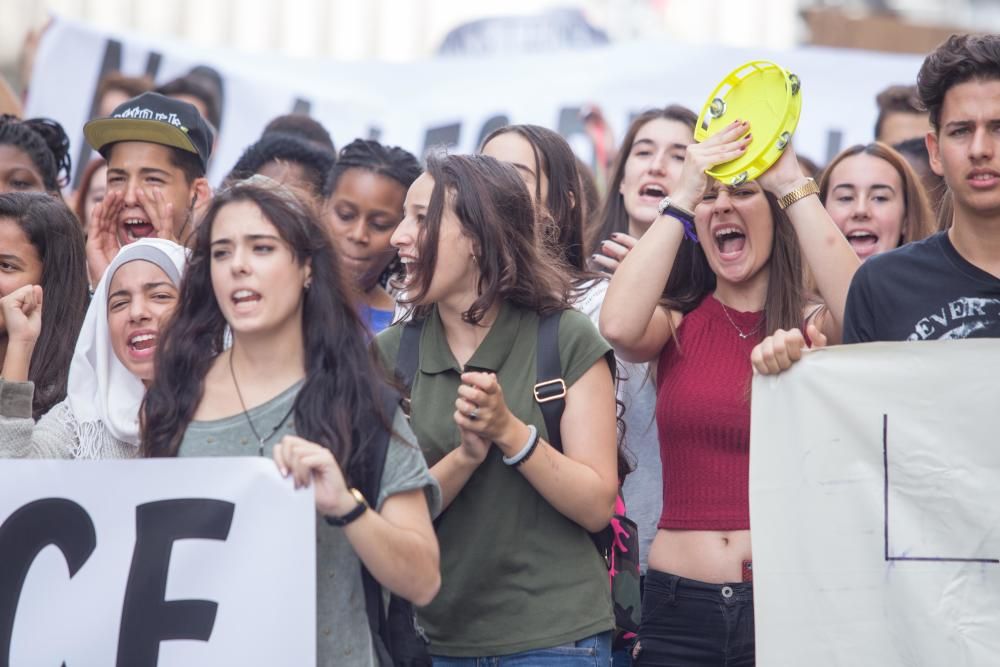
{"x":239,"y":394}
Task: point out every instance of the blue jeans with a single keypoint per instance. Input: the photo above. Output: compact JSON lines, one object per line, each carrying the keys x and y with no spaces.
{"x":688,"y":622}
{"x":593,"y":651}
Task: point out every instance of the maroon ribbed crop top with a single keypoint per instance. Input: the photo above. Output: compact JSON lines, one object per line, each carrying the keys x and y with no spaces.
{"x":703,"y":418}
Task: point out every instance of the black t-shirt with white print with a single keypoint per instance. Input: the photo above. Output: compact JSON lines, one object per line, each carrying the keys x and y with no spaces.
{"x":922,"y":291}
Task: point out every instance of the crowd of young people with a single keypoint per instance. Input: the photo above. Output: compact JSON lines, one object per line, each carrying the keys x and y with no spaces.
{"x":289,"y":313}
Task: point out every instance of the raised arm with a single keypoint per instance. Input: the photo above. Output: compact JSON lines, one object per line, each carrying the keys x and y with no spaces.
{"x":20,"y":437}
{"x":631,"y":318}
{"x":825,"y":250}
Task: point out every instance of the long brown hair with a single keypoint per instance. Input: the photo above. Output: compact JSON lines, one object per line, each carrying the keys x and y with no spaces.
{"x":692,"y":279}
{"x":918,"y":217}
{"x":50,"y":226}
{"x":495,"y":211}
{"x":614,"y":217}
{"x":80,"y":198}
{"x":565,"y":199}
{"x":343,"y":381}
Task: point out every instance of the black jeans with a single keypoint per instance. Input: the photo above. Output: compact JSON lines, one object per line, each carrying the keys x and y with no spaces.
{"x":687,"y":622}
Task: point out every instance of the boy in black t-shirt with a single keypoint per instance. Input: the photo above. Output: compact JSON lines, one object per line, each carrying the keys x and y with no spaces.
{"x":946,"y":286}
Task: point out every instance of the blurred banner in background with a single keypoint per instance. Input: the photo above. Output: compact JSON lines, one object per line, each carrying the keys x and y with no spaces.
{"x":454,"y":102}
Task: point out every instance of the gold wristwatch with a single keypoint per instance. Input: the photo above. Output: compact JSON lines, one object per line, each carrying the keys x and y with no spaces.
{"x":358,"y":510}
{"x":804,"y":190}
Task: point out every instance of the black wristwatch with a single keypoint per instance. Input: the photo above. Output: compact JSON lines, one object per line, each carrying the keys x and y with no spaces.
{"x":353,"y":514}
{"x":668,"y":207}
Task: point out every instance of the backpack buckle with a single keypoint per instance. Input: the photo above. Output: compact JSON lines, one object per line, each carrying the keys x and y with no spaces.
{"x":550,"y":390}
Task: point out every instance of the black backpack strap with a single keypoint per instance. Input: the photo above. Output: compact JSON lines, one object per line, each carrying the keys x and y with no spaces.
{"x":371,"y":481}
{"x":408,"y":357}
{"x":550,"y":388}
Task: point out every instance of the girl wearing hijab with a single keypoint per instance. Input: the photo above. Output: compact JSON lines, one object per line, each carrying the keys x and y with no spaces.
{"x":111,"y":366}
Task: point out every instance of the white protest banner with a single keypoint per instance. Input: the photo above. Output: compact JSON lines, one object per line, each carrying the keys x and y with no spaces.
{"x":456,"y":101}
{"x":187,"y":562}
{"x":875,"y":507}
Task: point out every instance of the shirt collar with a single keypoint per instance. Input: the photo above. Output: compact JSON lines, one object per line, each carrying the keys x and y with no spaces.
{"x":436,"y":356}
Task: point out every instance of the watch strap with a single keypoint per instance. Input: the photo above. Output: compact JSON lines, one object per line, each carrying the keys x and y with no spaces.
{"x":669,"y":206}
{"x":681,"y":214}
{"x":804,"y":190}
{"x":341,"y":521}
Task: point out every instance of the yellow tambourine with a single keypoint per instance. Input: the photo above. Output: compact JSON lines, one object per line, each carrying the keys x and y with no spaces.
{"x":766,"y":95}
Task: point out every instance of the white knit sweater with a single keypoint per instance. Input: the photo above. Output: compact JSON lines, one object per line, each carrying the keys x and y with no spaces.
{"x":55,"y":436}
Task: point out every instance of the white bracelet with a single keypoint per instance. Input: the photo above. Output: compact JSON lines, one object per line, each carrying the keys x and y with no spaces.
{"x":528,"y":447}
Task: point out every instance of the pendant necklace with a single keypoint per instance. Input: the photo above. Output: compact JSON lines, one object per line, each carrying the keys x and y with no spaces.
{"x":743,"y":335}
{"x":253,"y":429}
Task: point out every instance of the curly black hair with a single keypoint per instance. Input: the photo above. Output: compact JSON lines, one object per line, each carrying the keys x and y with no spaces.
{"x":302,"y":126}
{"x":389,"y":161}
{"x":316,"y":161}
{"x":45,"y":142}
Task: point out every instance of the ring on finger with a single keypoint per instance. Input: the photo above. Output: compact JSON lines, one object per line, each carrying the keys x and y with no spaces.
{"x":474,"y":413}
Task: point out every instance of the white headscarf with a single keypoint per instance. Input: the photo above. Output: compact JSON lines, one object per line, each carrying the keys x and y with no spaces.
{"x":102,"y":393}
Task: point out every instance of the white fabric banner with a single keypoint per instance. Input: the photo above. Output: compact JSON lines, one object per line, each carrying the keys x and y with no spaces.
{"x":454,"y":101}
{"x":191,"y":562}
{"x":875,"y":507}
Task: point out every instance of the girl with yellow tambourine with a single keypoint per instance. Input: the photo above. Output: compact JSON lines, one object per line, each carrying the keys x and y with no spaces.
{"x":719,"y":269}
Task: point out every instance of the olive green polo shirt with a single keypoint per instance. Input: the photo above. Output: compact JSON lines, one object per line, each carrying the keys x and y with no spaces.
{"x":516,"y":574}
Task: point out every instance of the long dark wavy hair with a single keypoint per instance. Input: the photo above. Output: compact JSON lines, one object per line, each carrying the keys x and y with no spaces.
{"x":692,"y":279}
{"x":495,"y":211}
{"x":565,"y":199}
{"x":614,"y":217}
{"x":51,"y":227}
{"x":343,"y":384}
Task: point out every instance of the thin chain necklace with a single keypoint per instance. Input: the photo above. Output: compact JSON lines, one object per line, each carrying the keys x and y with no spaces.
{"x":743,"y":335}
{"x":239,"y":394}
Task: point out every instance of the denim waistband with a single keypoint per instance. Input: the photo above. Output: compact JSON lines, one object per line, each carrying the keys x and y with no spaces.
{"x":672,"y":585}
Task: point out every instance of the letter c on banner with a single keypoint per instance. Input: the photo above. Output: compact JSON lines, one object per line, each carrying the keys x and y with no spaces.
{"x":23,"y":535}
{"x":147,"y":618}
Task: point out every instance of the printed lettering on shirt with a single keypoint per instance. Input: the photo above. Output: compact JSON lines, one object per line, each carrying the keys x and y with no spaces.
{"x":960,"y":318}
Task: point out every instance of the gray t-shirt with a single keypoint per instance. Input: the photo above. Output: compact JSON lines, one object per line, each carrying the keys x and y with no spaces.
{"x":342,"y":633}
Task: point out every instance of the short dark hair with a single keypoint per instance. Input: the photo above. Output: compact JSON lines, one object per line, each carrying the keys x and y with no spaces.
{"x":133,"y":86}
{"x":303,"y":126}
{"x":959,"y":59}
{"x":896,"y":99}
{"x":45,"y":143}
{"x":316,"y":161}
{"x":186,"y":161}
{"x":53,"y":230}
{"x":195,"y":86}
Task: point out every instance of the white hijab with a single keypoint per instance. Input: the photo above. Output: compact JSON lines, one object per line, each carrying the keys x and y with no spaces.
{"x":103,"y":395}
